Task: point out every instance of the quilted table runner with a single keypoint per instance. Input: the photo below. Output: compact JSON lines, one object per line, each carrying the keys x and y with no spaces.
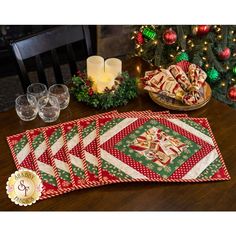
{"x":119,"y":147}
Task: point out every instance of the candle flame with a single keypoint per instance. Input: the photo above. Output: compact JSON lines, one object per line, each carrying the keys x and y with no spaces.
{"x":138,"y":69}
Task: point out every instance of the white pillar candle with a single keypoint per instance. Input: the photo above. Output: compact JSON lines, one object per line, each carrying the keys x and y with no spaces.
{"x":95,"y":67}
{"x":107,"y":80}
{"x":113,"y":66}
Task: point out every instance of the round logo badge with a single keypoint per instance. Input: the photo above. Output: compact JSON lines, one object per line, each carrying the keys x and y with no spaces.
{"x":24,"y":187}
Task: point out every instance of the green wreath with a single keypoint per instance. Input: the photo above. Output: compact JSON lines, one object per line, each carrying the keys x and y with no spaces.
{"x":124,"y":89}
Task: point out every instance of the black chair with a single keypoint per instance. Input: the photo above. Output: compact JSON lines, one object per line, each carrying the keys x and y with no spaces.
{"x":49,"y":41}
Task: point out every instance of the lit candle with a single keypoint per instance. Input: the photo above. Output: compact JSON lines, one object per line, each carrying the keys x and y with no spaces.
{"x":106,"y":81}
{"x":103,"y":74}
{"x":95,"y":67}
{"x":113,"y":66}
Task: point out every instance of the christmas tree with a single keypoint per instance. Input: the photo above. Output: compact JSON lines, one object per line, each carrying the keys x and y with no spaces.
{"x":213,"y":48}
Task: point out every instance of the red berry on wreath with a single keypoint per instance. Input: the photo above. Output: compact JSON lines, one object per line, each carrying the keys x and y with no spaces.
{"x":90,"y":92}
{"x":88,"y":83}
{"x":78,"y":73}
{"x":232,"y":93}
{"x":224,"y":54}
{"x":139,"y":38}
{"x":169,"y":36}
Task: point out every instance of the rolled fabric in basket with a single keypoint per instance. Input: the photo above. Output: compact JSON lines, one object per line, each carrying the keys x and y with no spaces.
{"x":184,"y":65}
{"x":197,"y":77}
{"x":180,"y":77}
{"x":163,"y":82}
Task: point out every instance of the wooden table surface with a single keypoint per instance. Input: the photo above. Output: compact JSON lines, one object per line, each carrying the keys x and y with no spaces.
{"x":133,"y":196}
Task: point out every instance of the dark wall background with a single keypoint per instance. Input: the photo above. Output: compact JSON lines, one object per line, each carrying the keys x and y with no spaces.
{"x":114,"y":40}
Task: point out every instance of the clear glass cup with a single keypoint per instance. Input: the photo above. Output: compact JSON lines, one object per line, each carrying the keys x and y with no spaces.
{"x":62,"y":93}
{"x":37,"y":89}
{"x":49,"y":108}
{"x":26,"y":107}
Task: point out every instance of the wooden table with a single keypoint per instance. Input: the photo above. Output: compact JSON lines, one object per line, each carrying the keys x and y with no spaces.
{"x":133,"y":196}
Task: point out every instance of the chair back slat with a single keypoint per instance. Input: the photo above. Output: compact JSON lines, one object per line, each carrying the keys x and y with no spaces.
{"x":56,"y":67}
{"x":87,"y":40}
{"x":71,"y":58}
{"x":50,"y":41}
{"x":24,"y":78}
{"x":40,"y":70}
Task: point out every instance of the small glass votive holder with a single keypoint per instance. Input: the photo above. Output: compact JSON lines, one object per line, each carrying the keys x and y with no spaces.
{"x":49,"y":108}
{"x":37,"y":89}
{"x":26,"y":107}
{"x":60,"y":91}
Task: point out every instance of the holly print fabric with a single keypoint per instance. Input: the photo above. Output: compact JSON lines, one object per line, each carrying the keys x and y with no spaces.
{"x":119,"y":147}
{"x":58,"y":151}
{"x":39,"y":152}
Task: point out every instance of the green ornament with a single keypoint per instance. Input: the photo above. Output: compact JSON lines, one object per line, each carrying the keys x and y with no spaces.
{"x":149,"y":33}
{"x":234,"y":70}
{"x":183,"y":56}
{"x":213,"y":75}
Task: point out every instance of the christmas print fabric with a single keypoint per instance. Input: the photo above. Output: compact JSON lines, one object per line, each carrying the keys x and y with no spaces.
{"x":119,"y":147}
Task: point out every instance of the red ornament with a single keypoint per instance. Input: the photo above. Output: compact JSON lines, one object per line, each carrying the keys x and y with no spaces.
{"x":224,"y":54}
{"x":169,"y":36}
{"x":232,"y":93}
{"x":139,"y":38}
{"x":202,"y":30}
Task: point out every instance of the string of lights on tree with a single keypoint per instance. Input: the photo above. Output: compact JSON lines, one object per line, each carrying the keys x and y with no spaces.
{"x":211,"y":47}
